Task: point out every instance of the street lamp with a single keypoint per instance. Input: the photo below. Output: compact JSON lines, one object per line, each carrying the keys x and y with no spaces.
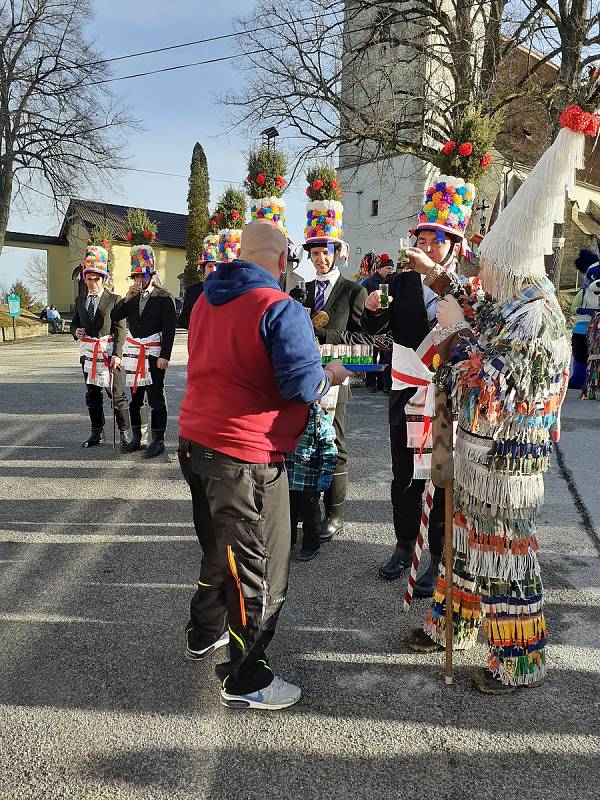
{"x":269,"y":135}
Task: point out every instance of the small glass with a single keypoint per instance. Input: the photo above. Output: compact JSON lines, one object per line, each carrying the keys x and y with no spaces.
{"x":326,"y":354}
{"x":403,"y":259}
{"x":355,"y":357}
{"x":384,"y":291}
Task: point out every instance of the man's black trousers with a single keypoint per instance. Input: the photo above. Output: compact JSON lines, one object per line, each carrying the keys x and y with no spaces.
{"x":95,"y":404}
{"x":304,"y":505}
{"x":335,"y":497}
{"x":407,"y":493}
{"x":242,"y":519}
{"x":155,"y":392}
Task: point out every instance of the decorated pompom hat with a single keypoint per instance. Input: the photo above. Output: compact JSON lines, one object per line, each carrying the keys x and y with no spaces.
{"x":141,"y":232}
{"x":512,"y":252}
{"x":142,"y":260}
{"x":229,"y":220}
{"x":324,"y":211}
{"x":95,"y":260}
{"x":450,"y":197}
{"x":210,"y":249}
{"x":265,"y":184}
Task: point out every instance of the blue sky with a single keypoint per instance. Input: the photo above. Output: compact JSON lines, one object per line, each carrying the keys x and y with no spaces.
{"x":176,"y":109}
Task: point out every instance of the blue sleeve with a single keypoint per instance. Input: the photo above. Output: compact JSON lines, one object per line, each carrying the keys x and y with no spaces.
{"x":287,"y":331}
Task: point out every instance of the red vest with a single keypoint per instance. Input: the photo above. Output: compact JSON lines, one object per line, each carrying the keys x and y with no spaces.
{"x":232,"y":403}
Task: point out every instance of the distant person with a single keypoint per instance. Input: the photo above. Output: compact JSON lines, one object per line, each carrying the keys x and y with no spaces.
{"x":44,"y":314}
{"x":54,"y":320}
{"x":207,"y":264}
{"x":150,"y":313}
{"x":253,"y":370}
{"x":101,"y":345}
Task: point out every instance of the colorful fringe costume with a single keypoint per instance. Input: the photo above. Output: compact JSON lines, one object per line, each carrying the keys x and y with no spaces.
{"x":506,"y":380}
{"x":591,"y":387}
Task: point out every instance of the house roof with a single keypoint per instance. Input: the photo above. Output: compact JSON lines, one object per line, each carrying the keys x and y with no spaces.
{"x":32,"y":238}
{"x":586,"y":222}
{"x":171,"y":228}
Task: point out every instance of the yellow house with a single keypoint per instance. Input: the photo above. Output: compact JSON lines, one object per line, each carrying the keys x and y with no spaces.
{"x":64,"y":252}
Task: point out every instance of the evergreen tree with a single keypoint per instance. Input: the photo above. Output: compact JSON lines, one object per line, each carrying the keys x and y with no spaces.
{"x":198,"y":216}
{"x":27,"y":299}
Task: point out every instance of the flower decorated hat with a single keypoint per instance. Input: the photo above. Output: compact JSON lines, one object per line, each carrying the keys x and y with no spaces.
{"x":228,"y":221}
{"x":141,"y":232}
{"x":449,"y":199}
{"x":265,"y":184}
{"x":97,"y":254}
{"x":95,"y":260}
{"x":512,"y":253}
{"x":210,"y":249}
{"x":324,"y":211}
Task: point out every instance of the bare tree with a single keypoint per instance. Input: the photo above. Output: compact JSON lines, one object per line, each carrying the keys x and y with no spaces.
{"x":380,"y":78}
{"x":59,"y":124}
{"x":36,"y":273}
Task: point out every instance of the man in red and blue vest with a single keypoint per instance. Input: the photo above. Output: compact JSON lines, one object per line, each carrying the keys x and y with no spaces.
{"x":253,"y":370}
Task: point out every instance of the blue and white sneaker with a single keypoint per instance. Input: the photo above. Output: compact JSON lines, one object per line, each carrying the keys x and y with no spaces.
{"x":196,"y":655}
{"x":278,"y":694}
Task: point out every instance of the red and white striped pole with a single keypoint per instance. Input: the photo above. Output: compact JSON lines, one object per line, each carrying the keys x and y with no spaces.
{"x":423,"y":527}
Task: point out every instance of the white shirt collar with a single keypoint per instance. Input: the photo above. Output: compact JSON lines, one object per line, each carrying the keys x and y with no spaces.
{"x":332,"y":277}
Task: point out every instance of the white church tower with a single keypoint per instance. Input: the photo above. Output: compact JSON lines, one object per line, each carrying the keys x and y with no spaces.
{"x":387,"y":83}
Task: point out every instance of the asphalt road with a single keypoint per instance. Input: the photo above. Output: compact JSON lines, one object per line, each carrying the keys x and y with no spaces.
{"x":98,"y":561}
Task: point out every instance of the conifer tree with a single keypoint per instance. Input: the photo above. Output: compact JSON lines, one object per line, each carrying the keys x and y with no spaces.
{"x":198,"y":215}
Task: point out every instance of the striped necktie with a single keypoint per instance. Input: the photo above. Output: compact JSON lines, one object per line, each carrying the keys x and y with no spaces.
{"x":91,"y":306}
{"x":320,"y":296}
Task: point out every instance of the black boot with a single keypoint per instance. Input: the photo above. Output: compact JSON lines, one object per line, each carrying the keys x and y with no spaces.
{"x":400,"y":560}
{"x":426,"y":584}
{"x":134,"y":443}
{"x":335,"y":502}
{"x":157,"y":445}
{"x":332,"y":524}
{"x":125,"y":440}
{"x":96,"y":438}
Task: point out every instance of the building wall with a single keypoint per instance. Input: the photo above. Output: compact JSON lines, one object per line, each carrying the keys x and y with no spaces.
{"x":64,"y":261}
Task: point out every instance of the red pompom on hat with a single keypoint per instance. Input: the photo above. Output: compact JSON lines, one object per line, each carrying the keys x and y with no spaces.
{"x":579,"y":121}
{"x":465,"y":149}
{"x":449,"y":148}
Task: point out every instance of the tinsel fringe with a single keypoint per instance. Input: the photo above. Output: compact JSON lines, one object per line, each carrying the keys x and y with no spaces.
{"x":506,"y":491}
{"x":484,"y":561}
{"x":527,"y":669}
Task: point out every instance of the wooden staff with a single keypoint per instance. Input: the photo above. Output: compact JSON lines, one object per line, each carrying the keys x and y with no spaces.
{"x":442,"y":474}
{"x":448,"y":516}
{"x":114,"y":416}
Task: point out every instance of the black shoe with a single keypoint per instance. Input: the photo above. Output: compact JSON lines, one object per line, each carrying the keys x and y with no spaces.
{"x":96,"y":438}
{"x":307,"y":554}
{"x":400,"y":560}
{"x":125,"y":440}
{"x":426,"y":584}
{"x":373,"y":390}
{"x":331,"y":527}
{"x":387,"y":391}
{"x":418,"y":641}
{"x":156,"y":447}
{"x":134,"y":442}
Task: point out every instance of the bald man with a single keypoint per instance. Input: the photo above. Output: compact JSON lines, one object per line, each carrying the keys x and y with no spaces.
{"x":253,"y":370}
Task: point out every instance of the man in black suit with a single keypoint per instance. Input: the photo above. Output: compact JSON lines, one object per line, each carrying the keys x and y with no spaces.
{"x":150,"y":313}
{"x":414,"y":295}
{"x":193,"y":293}
{"x":101,"y":358}
{"x":343,"y":301}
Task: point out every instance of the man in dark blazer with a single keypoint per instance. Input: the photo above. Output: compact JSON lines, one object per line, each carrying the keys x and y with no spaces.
{"x":150,"y":311}
{"x":193,"y":293}
{"x":92,"y":321}
{"x":343,"y":301}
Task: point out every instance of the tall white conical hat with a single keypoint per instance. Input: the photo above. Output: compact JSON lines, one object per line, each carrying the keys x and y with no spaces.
{"x":512,"y":252}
